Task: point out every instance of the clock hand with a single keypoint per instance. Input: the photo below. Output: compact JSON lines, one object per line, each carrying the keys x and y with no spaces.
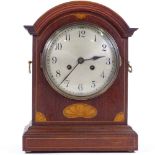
{"x":79,"y":61}
{"x":94,"y":58}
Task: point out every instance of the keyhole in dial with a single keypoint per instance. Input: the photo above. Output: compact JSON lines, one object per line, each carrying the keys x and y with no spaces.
{"x":92,"y":67}
{"x":69,"y":67}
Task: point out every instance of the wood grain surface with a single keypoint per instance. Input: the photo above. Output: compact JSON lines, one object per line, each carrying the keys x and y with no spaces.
{"x":49,"y":135}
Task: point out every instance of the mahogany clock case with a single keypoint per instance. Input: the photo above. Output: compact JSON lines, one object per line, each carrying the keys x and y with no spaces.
{"x":107,"y":129}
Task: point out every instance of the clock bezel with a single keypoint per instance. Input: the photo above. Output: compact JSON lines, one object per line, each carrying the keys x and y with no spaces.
{"x":75,"y":97}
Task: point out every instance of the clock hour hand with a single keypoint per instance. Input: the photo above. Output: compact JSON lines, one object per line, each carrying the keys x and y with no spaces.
{"x":94,"y":58}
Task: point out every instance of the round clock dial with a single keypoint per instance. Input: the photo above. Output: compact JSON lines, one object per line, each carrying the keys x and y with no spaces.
{"x":80,"y":61}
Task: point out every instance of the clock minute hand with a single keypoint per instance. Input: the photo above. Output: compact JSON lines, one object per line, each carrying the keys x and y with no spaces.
{"x":69,"y":73}
{"x":94,"y":58}
{"x":80,"y":60}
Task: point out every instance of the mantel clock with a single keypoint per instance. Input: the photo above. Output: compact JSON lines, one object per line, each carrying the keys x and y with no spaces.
{"x":80,"y":81}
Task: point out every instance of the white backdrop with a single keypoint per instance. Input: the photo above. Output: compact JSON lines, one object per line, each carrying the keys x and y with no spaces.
{"x":15,"y":81}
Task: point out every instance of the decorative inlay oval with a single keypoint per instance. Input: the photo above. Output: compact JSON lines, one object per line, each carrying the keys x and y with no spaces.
{"x":78,"y":110}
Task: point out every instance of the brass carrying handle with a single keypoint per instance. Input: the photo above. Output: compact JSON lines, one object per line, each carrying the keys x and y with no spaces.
{"x":30,"y":62}
{"x":129,"y":68}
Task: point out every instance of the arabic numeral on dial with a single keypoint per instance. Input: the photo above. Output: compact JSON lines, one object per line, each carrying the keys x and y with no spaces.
{"x":58,"y":74}
{"x":54,"y":60}
{"x":104,"y":47}
{"x":68,"y":37}
{"x":108,"y":61}
{"x":58,"y":46}
{"x":93,"y":84}
{"x":80,"y":87}
{"x":67,"y":82}
{"x":102,"y":74}
{"x":82,"y":34}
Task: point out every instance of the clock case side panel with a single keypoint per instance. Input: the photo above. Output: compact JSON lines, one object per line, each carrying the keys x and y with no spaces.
{"x":34,"y":68}
{"x":34,"y":78}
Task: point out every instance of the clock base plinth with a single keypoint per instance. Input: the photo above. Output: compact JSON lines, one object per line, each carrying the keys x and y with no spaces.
{"x":76,"y":138}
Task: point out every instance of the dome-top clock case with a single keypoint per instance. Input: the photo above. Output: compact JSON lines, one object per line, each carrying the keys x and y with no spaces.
{"x":80,"y":81}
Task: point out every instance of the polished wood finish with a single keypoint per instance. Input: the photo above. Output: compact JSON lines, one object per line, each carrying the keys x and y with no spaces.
{"x":48,"y":105}
{"x":80,"y":138}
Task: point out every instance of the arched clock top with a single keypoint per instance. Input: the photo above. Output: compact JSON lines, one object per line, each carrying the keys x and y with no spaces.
{"x":83,"y":7}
